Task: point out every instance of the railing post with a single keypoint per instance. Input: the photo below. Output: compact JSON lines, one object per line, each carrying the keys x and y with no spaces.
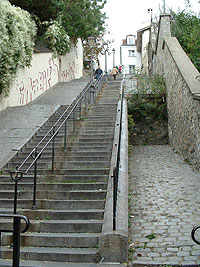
{"x":65,"y":137}
{"x":53,"y":150}
{"x":15,"y":197}
{"x":80,"y":108}
{"x":85,"y":102}
{"x":16,"y":241}
{"x":92,"y":94}
{"x":74,"y":121}
{"x":34,"y":207}
{"x":115,"y":185}
{"x":16,"y":176}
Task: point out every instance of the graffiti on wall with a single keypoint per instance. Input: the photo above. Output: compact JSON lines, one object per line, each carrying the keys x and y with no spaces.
{"x":69,"y":73}
{"x":32,"y":87}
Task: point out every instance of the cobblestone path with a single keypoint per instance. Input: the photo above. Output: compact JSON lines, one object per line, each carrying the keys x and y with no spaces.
{"x":164,"y":207}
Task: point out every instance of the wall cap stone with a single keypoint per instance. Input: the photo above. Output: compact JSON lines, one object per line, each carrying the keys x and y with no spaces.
{"x":188,"y":71}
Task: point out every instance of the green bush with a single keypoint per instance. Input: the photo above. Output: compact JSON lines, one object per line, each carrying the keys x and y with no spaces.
{"x":16,"y":44}
{"x":57,"y":39}
{"x":149,"y":99}
{"x":186,"y":28}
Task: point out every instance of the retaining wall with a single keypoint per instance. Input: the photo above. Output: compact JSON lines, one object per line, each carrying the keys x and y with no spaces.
{"x":45,"y":71}
{"x":183,"y":93}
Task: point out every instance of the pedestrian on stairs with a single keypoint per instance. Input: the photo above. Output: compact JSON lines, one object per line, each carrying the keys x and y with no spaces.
{"x":98,"y":73}
{"x":114,"y":72}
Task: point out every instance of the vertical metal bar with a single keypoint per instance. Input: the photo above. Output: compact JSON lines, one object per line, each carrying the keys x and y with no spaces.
{"x":91,"y":67}
{"x":114,"y":197}
{"x":80,"y":108}
{"x":53,"y":151}
{"x":85,"y":102}
{"x":16,"y":241}
{"x":0,"y":244}
{"x":15,"y":197}
{"x":34,"y":207}
{"x":74,"y":121}
{"x":65,"y":137}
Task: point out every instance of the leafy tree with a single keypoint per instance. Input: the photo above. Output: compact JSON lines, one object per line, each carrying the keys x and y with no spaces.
{"x":79,"y":18}
{"x":45,"y":10}
{"x":186,"y":28}
{"x":83,"y":18}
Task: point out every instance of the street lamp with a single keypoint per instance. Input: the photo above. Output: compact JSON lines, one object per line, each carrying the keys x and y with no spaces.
{"x":105,"y":45}
{"x":91,"y":43}
{"x":150,"y":10}
{"x":113,"y":56}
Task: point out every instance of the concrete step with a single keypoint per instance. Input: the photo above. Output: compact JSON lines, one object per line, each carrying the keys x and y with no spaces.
{"x":53,"y":254}
{"x":58,"y":226}
{"x":8,"y":263}
{"x":82,"y":164}
{"x":68,"y":214}
{"x":76,"y":214}
{"x":77,"y":156}
{"x":53,"y":186}
{"x":75,"y":171}
{"x":93,"y":143}
{"x":72,"y":240}
{"x":78,"y":178}
{"x":54,"y":204}
{"x":93,"y":139}
{"x":55,"y":195}
{"x":87,"y":149}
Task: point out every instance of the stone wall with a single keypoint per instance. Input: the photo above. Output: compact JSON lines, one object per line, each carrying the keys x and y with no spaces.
{"x":183,"y":93}
{"x":45,"y":71}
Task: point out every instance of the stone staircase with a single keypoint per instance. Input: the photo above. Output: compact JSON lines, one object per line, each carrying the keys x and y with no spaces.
{"x":70,"y":203}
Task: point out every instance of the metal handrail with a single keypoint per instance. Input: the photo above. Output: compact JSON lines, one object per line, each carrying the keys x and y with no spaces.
{"x":116,"y":155}
{"x":193,"y":234}
{"x":16,"y":175}
{"x":16,"y":234}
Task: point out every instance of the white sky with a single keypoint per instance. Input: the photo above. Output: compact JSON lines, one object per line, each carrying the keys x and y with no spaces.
{"x":128,"y":16}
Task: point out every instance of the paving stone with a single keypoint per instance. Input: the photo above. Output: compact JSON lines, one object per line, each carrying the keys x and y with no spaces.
{"x":166,"y":202}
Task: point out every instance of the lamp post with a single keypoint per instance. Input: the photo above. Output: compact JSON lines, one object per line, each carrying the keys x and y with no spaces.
{"x":150,"y":10}
{"x":91,"y":42}
{"x":105,"y":45}
{"x":113,"y":56}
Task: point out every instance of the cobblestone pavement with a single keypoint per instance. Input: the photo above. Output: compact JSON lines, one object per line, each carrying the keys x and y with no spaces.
{"x":164,"y":203}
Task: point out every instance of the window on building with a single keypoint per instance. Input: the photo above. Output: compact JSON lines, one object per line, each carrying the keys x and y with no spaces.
{"x":131,"y":69}
{"x":130,"y":40}
{"x":131,"y":53}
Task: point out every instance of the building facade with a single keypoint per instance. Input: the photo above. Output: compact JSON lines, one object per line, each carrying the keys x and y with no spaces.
{"x":130,"y":58}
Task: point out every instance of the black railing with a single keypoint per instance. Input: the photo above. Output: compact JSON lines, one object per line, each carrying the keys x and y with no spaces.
{"x":92,"y":90}
{"x":194,"y":231}
{"x":116,"y":154}
{"x":16,"y":234}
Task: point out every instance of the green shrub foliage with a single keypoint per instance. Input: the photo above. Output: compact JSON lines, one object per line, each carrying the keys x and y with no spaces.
{"x":149,"y":99}
{"x":186,"y":28}
{"x":57,"y":39}
{"x":16,"y":44}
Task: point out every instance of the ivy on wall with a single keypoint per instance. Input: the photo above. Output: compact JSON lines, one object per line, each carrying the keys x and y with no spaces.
{"x":18,"y":31}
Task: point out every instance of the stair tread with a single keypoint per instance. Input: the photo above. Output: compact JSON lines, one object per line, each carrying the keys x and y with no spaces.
{"x":7,"y":263}
{"x":57,"y":235}
{"x":58,"y":250}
